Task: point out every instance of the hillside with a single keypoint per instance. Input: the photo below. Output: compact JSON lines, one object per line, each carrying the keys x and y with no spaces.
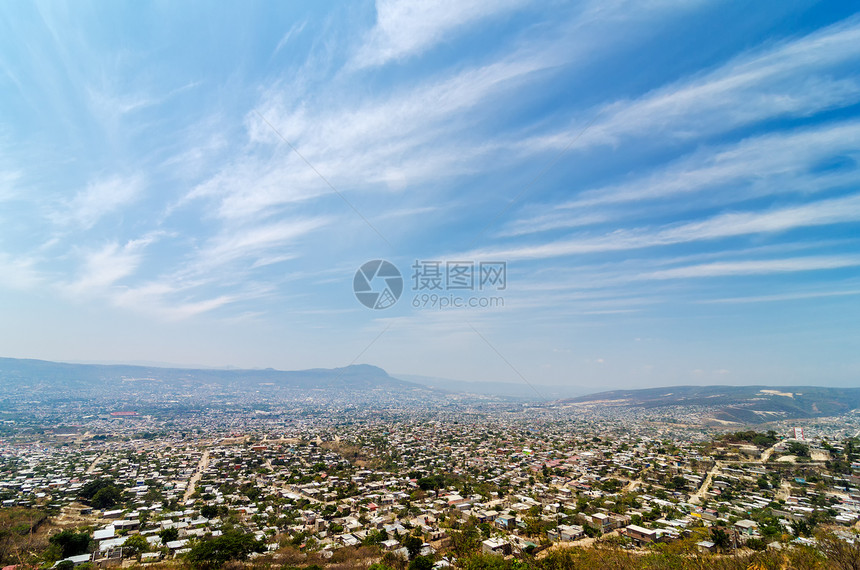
{"x":743,"y":404}
{"x":40,"y":378}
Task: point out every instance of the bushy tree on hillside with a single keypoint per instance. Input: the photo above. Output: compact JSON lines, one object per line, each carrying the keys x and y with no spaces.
{"x":214,"y":552}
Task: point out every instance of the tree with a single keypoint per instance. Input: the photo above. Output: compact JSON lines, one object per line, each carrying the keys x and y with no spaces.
{"x":591,"y":531}
{"x":89,"y":490}
{"x":135,"y":544}
{"x":798,"y":449}
{"x":769,"y":526}
{"x":71,"y":543}
{"x":214,"y":552}
{"x":432,"y":483}
{"x":413,"y":544}
{"x":802,"y":527}
{"x":168,"y":535}
{"x":106,"y":497}
{"x":496,"y":562}
{"x":678,"y":483}
{"x":375,"y":537}
{"x":721,"y":538}
{"x":421,"y":563}
{"x":209,"y":511}
{"x":251,"y":491}
{"x":466,"y":541}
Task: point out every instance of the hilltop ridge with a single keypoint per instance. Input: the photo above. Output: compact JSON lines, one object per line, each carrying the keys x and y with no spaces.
{"x":737,"y":404}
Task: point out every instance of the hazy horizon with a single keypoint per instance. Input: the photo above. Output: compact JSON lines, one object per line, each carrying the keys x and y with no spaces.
{"x":523,"y":388}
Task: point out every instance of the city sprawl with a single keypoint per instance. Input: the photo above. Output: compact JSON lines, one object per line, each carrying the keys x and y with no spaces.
{"x":329,"y":479}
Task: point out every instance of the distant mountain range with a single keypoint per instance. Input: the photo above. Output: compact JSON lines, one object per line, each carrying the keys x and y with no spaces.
{"x":740,"y":404}
{"x":25,"y":374}
{"x":22,"y":379}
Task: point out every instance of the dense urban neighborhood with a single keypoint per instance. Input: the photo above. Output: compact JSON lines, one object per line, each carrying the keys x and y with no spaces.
{"x":478,"y":483}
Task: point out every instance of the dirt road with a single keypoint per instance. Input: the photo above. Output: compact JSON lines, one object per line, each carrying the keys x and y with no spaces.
{"x":95,"y":463}
{"x":192,"y":483}
{"x":706,"y":484}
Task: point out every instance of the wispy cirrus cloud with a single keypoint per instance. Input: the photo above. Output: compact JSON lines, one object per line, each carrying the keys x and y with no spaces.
{"x":380,"y":144}
{"x":104,"y":267}
{"x":437,"y":128}
{"x":19,"y":273}
{"x":804,"y":161}
{"x":822,"y":212}
{"x":9,"y":180}
{"x":115,"y":106}
{"x":168,"y":302}
{"x":254,"y":244}
{"x":795,"y":296}
{"x":295,"y":30}
{"x":755,"y":267}
{"x":796,"y":78}
{"x":552,"y":221}
{"x":101,"y":197}
{"x":222,"y":272}
{"x":405,"y":29}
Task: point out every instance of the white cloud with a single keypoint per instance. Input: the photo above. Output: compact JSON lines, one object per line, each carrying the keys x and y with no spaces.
{"x":293,"y":31}
{"x":199,"y":285}
{"x":797,"y":78}
{"x":9,"y":184}
{"x":115,"y":106}
{"x":252,"y":188}
{"x":823,"y":212}
{"x":98,"y":199}
{"x":406,"y":28}
{"x":377,"y":145}
{"x":427,"y":130}
{"x":784,"y":297}
{"x":104,"y":267}
{"x":159,"y":300}
{"x":255,"y":243}
{"x":773,"y":163}
{"x":553,"y":221}
{"x":18,"y":273}
{"x":755,"y":267}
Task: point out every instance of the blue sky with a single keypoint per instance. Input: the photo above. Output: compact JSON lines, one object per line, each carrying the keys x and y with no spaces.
{"x":673,"y":186}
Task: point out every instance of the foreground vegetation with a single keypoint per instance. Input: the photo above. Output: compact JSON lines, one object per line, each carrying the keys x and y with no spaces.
{"x":235,"y":550}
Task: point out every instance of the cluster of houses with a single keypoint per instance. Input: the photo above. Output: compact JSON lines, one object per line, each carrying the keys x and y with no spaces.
{"x":525,"y":481}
